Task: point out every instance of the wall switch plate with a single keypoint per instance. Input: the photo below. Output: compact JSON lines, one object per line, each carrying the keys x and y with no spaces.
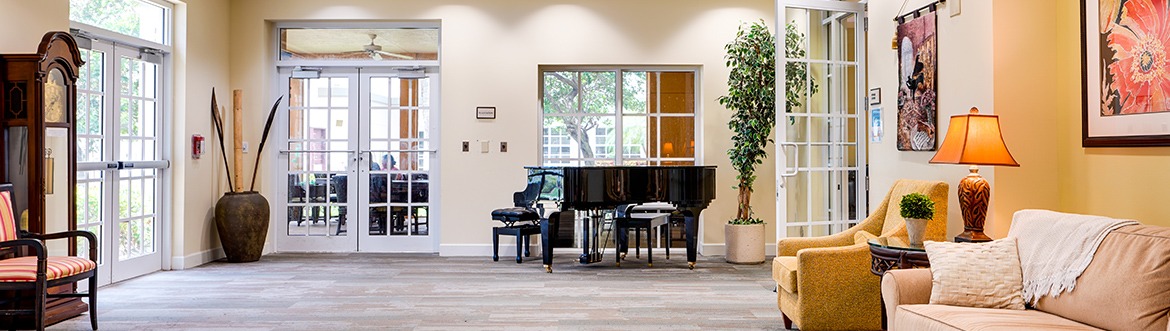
{"x":485,"y":146}
{"x":244,"y":147}
{"x":466,"y":146}
{"x":503,"y":147}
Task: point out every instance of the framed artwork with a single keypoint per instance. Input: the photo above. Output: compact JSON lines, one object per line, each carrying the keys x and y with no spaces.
{"x":1125,"y":82}
{"x":917,"y":83}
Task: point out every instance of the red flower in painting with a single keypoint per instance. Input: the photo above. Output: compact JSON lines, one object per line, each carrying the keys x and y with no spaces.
{"x":1140,"y":68}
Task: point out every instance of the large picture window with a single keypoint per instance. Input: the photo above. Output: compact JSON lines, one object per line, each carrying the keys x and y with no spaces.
{"x":617,"y":116}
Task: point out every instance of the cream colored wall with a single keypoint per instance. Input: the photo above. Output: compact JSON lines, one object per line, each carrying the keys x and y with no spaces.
{"x":201,"y":62}
{"x":965,"y":79}
{"x":1116,"y":182}
{"x":1027,"y":98}
{"x":24,"y":22}
{"x":489,"y":58}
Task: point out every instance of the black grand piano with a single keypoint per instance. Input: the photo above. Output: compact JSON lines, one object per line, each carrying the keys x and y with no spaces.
{"x":596,"y":190}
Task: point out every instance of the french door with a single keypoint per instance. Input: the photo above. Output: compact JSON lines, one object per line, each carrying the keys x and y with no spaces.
{"x":820,"y":143}
{"x":360,"y":161}
{"x":120,"y":163}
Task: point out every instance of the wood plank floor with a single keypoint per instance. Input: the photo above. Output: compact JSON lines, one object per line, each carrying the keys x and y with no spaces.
{"x":427,"y":292}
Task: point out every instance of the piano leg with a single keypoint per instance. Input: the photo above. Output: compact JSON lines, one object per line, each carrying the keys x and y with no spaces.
{"x":546,"y":235}
{"x":692,"y":230}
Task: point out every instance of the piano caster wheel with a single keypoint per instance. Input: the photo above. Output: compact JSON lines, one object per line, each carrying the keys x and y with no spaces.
{"x":619,"y":264}
{"x":649,"y":265}
{"x":548,"y":268}
{"x":692,"y":265}
{"x":622,"y":257}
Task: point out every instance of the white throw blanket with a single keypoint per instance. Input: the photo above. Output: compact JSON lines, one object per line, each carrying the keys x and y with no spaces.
{"x":1055,"y":248}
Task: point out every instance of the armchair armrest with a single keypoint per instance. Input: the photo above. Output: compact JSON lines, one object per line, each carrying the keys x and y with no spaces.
{"x":905,"y":287}
{"x":89,"y":237}
{"x":37,"y":247}
{"x":790,"y":246}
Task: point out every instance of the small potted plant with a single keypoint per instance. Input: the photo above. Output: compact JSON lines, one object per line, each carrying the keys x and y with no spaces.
{"x":917,"y":209}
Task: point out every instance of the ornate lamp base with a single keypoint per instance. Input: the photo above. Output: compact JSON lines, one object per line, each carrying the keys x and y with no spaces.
{"x":974,"y":193}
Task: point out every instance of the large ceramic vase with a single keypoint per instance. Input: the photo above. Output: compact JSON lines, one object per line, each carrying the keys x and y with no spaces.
{"x":915,"y":229}
{"x":242,"y":221}
{"x":745,"y":243}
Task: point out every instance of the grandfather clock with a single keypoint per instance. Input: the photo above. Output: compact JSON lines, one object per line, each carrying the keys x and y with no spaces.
{"x":38,"y":98}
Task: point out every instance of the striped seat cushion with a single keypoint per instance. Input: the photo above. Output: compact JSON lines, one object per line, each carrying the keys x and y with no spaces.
{"x":24,"y":269}
{"x":7,"y":218}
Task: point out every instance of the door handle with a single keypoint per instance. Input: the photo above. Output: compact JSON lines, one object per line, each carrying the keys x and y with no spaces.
{"x":795,"y":159}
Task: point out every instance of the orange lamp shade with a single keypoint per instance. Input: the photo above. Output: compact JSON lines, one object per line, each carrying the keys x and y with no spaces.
{"x":974,"y":139}
{"x":668,"y":148}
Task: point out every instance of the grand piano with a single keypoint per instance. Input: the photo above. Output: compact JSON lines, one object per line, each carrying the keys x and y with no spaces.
{"x":597,"y":190}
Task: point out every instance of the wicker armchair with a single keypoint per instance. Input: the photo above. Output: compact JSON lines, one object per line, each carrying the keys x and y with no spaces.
{"x":824,"y":283}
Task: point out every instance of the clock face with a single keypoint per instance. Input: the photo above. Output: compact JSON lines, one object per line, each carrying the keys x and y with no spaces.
{"x":55,"y":97}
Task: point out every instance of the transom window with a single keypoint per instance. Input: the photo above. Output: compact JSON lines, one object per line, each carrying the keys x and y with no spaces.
{"x":141,"y":19}
{"x":581,"y":123}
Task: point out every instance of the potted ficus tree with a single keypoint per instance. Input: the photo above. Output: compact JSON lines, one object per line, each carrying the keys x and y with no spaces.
{"x":917,"y":209}
{"x":751,"y":96}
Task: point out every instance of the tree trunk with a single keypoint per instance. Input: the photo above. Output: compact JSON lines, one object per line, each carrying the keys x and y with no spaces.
{"x":745,"y":201}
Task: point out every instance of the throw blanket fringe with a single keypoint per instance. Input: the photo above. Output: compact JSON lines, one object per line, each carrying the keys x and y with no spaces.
{"x":1055,"y":248}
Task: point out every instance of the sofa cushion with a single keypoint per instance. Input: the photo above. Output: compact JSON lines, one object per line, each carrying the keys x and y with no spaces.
{"x":784,"y":272}
{"x":943,"y":317}
{"x":984,"y":275}
{"x":1125,"y":287}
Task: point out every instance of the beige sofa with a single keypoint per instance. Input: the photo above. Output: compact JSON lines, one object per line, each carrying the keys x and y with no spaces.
{"x":1126,"y":287}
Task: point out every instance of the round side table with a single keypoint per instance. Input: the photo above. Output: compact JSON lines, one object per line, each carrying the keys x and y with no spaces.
{"x":895,"y":253}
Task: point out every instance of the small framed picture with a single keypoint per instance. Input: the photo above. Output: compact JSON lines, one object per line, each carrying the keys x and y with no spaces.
{"x":875,"y":95}
{"x":485,"y":113}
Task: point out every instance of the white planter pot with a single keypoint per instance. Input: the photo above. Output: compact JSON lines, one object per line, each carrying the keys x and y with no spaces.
{"x":915,"y":229}
{"x":745,"y":243}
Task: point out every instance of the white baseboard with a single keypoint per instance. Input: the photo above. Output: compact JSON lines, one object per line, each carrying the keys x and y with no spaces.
{"x":196,"y":259}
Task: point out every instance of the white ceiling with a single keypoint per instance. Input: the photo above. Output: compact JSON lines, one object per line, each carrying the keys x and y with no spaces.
{"x":332,"y":41}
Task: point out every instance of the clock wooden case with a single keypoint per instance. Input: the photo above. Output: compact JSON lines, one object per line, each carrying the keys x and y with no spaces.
{"x":38,"y":97}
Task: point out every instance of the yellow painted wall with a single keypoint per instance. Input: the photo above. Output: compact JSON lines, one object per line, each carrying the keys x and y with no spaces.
{"x":1117,"y":182}
{"x":24,"y":22}
{"x":489,"y":58}
{"x":1027,"y":99}
{"x":201,"y":62}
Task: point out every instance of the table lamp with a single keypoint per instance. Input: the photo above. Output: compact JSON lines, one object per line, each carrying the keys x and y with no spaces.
{"x":974,"y":139}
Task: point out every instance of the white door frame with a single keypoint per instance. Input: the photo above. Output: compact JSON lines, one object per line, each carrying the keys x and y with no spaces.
{"x":782,"y":147}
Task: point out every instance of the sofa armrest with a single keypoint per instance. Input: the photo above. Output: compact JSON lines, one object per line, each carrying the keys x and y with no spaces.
{"x":905,"y":287}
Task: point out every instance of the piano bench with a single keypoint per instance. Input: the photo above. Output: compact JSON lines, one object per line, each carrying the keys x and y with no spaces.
{"x":622,"y":226}
{"x":523,"y":234}
{"x":512,"y":215}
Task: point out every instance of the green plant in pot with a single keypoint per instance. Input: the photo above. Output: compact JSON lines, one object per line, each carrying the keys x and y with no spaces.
{"x":751,"y":95}
{"x":917,"y":209}
{"x":241,"y":217}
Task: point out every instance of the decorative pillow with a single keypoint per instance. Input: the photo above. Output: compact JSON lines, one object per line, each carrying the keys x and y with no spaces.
{"x":981,"y":275}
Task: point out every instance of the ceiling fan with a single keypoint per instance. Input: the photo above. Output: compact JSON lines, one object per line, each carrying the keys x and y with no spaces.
{"x":375,"y":51}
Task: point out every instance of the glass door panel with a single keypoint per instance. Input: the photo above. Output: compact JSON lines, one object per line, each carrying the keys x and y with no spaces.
{"x":398,"y":147}
{"x":319,"y":162}
{"x":120,"y":165}
{"x":821,"y":159}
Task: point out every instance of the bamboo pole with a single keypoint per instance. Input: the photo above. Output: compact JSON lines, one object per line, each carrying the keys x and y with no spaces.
{"x":238,"y":137}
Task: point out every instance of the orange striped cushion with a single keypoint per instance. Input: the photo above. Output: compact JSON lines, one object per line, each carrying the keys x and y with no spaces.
{"x":24,"y":269}
{"x":7,"y":220}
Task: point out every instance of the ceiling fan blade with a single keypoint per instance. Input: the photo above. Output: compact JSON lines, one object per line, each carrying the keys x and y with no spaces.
{"x":400,"y":56}
{"x":376,"y":56}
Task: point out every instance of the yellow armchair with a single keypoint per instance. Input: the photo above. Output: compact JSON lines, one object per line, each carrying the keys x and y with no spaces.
{"x":824,"y":283}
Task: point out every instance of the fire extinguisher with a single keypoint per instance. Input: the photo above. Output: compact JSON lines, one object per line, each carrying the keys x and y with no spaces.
{"x":196,"y":146}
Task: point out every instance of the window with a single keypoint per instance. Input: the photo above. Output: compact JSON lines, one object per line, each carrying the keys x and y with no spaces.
{"x":582,"y":126}
{"x":141,"y":19}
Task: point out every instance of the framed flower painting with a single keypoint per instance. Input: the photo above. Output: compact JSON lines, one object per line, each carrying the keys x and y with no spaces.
{"x":1125,"y":84}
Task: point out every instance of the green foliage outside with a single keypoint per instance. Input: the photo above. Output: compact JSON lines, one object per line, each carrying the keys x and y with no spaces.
{"x":752,"y":98}
{"x":592,"y":92}
{"x":115,"y":15}
{"x":916,"y":205}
